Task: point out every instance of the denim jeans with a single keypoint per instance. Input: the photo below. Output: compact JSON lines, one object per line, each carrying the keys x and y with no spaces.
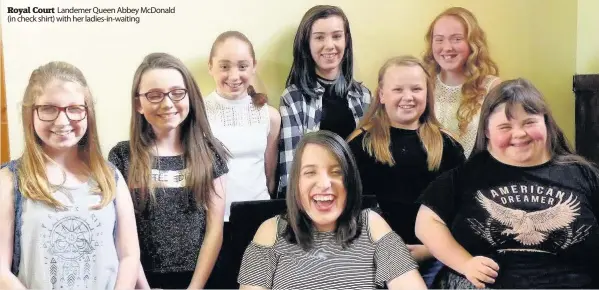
{"x":428,"y":270}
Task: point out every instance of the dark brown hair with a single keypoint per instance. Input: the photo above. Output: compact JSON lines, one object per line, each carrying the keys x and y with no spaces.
{"x":196,"y":137}
{"x":303,"y":68}
{"x":259,"y":99}
{"x":300,"y":229}
{"x":522,"y":92}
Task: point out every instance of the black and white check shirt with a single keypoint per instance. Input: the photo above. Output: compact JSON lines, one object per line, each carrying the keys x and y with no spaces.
{"x":300,"y":116}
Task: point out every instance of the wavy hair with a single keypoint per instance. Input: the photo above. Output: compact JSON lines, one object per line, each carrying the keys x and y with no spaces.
{"x":478,"y":66}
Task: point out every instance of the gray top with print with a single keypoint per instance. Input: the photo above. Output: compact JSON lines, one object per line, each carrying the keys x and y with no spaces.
{"x":70,"y":248}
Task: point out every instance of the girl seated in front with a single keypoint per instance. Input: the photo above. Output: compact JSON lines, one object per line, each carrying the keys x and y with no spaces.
{"x":325,"y":240}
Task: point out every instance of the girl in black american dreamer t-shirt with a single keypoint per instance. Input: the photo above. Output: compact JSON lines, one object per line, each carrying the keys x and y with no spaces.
{"x":522,"y":211}
{"x":400,"y":149}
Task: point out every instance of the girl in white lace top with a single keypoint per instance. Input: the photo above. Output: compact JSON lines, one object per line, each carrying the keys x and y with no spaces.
{"x":241,"y":119}
{"x":458,"y":54}
{"x":249,"y":128}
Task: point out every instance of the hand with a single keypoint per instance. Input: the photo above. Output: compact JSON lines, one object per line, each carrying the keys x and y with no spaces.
{"x":419,"y":252}
{"x":480,"y":270}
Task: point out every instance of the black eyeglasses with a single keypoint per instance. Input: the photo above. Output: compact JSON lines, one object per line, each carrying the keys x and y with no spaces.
{"x":49,"y":113}
{"x":157,"y":97}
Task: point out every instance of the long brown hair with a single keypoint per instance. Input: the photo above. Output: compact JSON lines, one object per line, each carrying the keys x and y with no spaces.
{"x":258,"y":99}
{"x":196,"y":137}
{"x":303,"y":68}
{"x":376,"y":123}
{"x":478,"y":66}
{"x":32,"y":177}
{"x":523,"y":92}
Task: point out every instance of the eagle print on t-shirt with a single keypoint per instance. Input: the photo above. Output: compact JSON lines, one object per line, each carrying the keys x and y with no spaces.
{"x":529,"y":218}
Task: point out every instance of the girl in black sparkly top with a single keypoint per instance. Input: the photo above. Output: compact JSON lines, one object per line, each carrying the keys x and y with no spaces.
{"x":174,"y":168}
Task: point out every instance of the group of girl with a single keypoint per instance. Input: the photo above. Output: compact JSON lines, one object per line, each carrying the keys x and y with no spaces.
{"x":475,"y":182}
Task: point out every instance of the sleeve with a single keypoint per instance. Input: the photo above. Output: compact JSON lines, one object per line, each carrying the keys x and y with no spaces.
{"x":366,"y":97}
{"x":258,"y":266}
{"x":595,"y":197}
{"x":441,"y":195}
{"x":219,"y":168}
{"x":291,"y":133}
{"x":591,"y":174}
{"x":392,"y":258}
{"x":453,"y":153}
{"x":362,"y":161}
{"x":356,"y":148}
{"x":117,"y":158}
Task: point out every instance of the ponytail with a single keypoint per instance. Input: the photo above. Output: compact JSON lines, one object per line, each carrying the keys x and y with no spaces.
{"x":259,"y":99}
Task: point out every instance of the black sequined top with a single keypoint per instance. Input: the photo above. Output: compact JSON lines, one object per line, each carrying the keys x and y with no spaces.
{"x":171,"y":231}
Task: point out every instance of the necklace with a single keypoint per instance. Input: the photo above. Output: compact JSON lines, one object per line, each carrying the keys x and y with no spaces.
{"x":159,"y":181}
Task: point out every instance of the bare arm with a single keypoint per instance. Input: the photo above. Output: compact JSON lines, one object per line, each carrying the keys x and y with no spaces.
{"x":435,"y":234}
{"x":419,"y":252}
{"x":409,"y":280}
{"x":7,"y":214}
{"x":127,"y":241}
{"x":272,"y":149}
{"x":142,"y":281}
{"x":213,"y":239}
{"x":248,"y":287}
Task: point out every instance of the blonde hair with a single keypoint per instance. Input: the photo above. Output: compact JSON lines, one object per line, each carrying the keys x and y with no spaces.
{"x":376,"y":123}
{"x":478,"y":66}
{"x":32,"y":177}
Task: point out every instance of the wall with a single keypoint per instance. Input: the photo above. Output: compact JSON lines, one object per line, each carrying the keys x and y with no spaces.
{"x":535,"y":39}
{"x":587,"y":49}
{"x":553,"y":57}
{"x":4,"y":147}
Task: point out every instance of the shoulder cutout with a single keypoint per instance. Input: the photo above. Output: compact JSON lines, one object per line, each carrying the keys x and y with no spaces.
{"x":377,"y":226}
{"x":266,"y":235}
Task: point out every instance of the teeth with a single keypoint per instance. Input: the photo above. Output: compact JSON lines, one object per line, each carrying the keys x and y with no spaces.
{"x":448,"y":57}
{"x":62,"y":133}
{"x":234,"y":85}
{"x":406,"y":107}
{"x":323,"y":197}
{"x":329,"y":56}
{"x":167,"y":115}
{"x":521,"y":144}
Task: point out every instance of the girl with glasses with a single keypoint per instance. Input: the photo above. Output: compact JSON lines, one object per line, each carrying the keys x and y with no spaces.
{"x":61,"y":202}
{"x":174,"y":167}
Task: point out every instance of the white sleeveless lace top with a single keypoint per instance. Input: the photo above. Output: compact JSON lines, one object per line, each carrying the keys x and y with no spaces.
{"x":447,"y":102}
{"x":243,"y":128}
